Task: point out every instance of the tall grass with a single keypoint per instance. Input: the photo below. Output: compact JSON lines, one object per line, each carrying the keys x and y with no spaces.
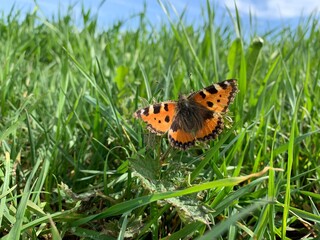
{"x":74,"y":163}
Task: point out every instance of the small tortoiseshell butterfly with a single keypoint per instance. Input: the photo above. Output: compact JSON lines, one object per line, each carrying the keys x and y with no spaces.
{"x":195,"y":117}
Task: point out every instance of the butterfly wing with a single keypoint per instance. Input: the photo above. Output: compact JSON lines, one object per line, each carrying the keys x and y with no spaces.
{"x":179,"y":138}
{"x":211,"y":128}
{"x":158,"y":116}
{"x":217,"y":97}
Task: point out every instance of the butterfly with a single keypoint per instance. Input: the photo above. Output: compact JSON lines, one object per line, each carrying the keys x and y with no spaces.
{"x":197,"y":117}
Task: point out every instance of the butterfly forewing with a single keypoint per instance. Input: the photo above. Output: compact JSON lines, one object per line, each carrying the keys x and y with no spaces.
{"x":158,"y":116}
{"x":217,"y":97}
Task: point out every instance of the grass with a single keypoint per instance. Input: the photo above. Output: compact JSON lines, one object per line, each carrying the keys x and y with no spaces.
{"x":75,"y":164}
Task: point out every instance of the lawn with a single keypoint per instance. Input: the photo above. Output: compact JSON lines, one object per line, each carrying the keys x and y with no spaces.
{"x":76,"y":164}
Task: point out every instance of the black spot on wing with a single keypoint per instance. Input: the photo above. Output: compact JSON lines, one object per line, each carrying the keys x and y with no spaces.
{"x":207,"y":115}
{"x":202,"y":94}
{"x":145,"y":111}
{"x":167,"y":118}
{"x":224,"y":85}
{"x":166,"y":107}
{"x":210,"y":104}
{"x":156,"y":108}
{"x":211,"y":89}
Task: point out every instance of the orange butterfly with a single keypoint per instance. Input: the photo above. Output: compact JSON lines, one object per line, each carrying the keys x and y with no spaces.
{"x":196,"y":117}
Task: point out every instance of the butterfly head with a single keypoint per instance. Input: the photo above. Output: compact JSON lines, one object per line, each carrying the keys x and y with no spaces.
{"x":183,"y":102}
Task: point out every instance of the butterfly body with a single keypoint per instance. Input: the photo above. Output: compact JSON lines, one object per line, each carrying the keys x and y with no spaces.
{"x":195,"y":117}
{"x":190,"y":116}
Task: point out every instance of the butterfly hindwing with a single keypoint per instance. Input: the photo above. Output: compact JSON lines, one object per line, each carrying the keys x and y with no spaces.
{"x":211,"y":128}
{"x":217,"y":97}
{"x":158,"y":116}
{"x":181,"y":139}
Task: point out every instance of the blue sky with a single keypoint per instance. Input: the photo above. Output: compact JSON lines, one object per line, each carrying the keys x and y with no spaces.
{"x":268,"y":13}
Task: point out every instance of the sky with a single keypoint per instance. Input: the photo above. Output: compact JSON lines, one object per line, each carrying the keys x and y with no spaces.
{"x":267,"y":14}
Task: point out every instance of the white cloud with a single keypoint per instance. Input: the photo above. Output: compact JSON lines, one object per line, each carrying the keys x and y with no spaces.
{"x":274,"y":9}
